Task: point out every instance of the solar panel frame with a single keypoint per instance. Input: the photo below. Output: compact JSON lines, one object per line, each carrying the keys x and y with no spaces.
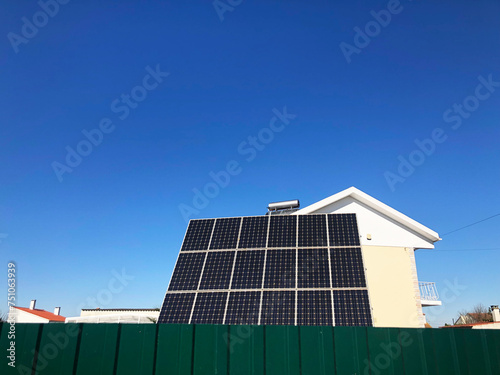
{"x":217,"y":270}
{"x":226,"y":233}
{"x":176,"y":315}
{"x":253,"y":234}
{"x":347,"y":268}
{"x":278,"y":307}
{"x":281,"y":268}
{"x":187,"y":271}
{"x":312,"y":231}
{"x":352,"y":307}
{"x":312,"y":270}
{"x":248,"y":269}
{"x":198,"y":235}
{"x":314,"y":307}
{"x":343,"y":230}
{"x":282,"y":231}
{"x":209,"y":308}
{"x":243,"y":307}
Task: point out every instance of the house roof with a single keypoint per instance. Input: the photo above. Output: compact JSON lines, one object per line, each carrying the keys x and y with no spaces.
{"x":43,"y":314}
{"x":376,"y":205}
{"x":469,"y":325}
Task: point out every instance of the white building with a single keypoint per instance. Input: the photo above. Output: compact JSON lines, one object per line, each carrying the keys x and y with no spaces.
{"x":33,"y":315}
{"x":116,"y":316}
{"x":388,"y":241}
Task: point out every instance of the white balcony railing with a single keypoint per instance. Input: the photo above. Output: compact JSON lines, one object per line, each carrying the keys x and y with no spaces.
{"x":428,"y":294}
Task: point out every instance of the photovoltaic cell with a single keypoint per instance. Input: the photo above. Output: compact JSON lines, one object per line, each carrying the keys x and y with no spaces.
{"x":278,"y":307}
{"x":347,"y":268}
{"x":209,"y":308}
{"x":280,"y":269}
{"x":343,"y":230}
{"x":198,"y":235}
{"x":314,"y":307}
{"x":352,"y":308}
{"x":217,"y":271}
{"x":176,"y":308}
{"x":225,"y":233}
{"x":187,"y":271}
{"x":253,"y":232}
{"x":248,"y":270}
{"x":312,"y":230}
{"x":243,"y":308}
{"x":313,"y":268}
{"x":282,"y":231}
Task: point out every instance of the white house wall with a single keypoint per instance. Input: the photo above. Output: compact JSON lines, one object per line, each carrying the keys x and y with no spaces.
{"x":384,"y":231}
{"x":24,"y":317}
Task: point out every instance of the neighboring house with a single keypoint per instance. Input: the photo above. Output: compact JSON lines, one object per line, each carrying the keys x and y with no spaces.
{"x":473,"y":321}
{"x":33,"y":315}
{"x":116,"y":316}
{"x":472,"y":318}
{"x":388,"y":242}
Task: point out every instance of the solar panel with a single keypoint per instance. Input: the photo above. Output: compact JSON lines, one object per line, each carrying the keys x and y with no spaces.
{"x":225,"y":233}
{"x":253,"y":232}
{"x":278,"y":307}
{"x":314,"y":307}
{"x":176,"y":308}
{"x":313,"y":268}
{"x":352,"y":308}
{"x":209,"y":308}
{"x":312,"y":231}
{"x":276,"y":269}
{"x":243,"y":308}
{"x":187,"y":271}
{"x":198,"y":235}
{"x":283,"y":231}
{"x":248,"y":270}
{"x":347,"y":268}
{"x":343,"y":230}
{"x":280,"y":269}
{"x":217,"y":271}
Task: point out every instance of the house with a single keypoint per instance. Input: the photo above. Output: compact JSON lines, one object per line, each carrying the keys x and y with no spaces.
{"x":116,"y":316}
{"x":33,"y":315}
{"x":477,"y":321}
{"x":345,"y":260}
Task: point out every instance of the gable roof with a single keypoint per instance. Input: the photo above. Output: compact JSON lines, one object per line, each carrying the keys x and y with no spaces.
{"x":376,"y":205}
{"x":43,"y":314}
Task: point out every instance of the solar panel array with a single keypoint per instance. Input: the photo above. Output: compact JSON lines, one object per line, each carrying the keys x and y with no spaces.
{"x":270,"y":270}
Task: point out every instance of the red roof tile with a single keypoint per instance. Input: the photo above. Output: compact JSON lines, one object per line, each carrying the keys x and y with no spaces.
{"x":43,"y":314}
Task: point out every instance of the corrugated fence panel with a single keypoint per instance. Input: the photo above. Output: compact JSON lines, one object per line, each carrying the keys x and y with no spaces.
{"x":316,"y":350}
{"x":282,"y":350}
{"x":137,"y":348}
{"x":246,"y":350}
{"x":174,"y":351}
{"x":181,"y":349}
{"x":57,"y":349}
{"x":97,"y":352}
{"x":351,"y":350}
{"x":210,"y":349}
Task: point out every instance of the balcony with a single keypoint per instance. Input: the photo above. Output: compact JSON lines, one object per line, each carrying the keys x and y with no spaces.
{"x":428,"y":294}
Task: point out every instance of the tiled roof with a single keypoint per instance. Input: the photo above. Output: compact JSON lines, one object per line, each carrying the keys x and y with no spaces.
{"x":43,"y":314}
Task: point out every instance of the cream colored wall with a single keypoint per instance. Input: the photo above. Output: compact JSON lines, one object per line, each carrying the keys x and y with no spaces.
{"x":390,"y":280}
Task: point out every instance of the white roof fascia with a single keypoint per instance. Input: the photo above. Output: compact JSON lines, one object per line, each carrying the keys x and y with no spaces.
{"x":376,"y":205}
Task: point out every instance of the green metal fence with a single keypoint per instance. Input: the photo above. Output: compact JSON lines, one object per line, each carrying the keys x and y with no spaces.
{"x":149,"y":349}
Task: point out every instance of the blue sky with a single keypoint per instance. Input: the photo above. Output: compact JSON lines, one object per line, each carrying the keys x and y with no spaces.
{"x":351,"y":120}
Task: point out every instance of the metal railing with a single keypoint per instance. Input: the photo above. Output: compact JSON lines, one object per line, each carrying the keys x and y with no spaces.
{"x":428,"y":291}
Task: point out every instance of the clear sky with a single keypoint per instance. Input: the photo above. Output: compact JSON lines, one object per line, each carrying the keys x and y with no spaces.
{"x":111,"y":113}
